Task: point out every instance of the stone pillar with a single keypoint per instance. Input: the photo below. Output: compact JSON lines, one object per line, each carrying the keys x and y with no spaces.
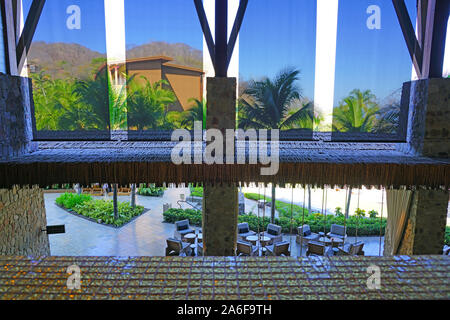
{"x":16,"y":132}
{"x":22,"y":219}
{"x":220,"y":203}
{"x":425,"y":227}
{"x":428,"y":135}
{"x":428,"y":131}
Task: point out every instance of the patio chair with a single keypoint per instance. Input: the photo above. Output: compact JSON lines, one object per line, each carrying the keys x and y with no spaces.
{"x":278,"y":249}
{"x":352,"y":249}
{"x":318,"y":249}
{"x":337,"y":231}
{"x":176,"y":247}
{"x":446,"y":250}
{"x":182,"y":228}
{"x":200,"y":249}
{"x":244,"y":248}
{"x":244,"y":230}
{"x":305,"y":235}
{"x":273,"y":232}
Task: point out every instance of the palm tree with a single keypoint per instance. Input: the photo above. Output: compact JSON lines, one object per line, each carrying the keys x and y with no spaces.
{"x":356,"y":113}
{"x":147,"y":105}
{"x":47,"y":95}
{"x":94,"y":93}
{"x":389,"y":118}
{"x":313,"y":120}
{"x":267,"y":104}
{"x":195,"y":113}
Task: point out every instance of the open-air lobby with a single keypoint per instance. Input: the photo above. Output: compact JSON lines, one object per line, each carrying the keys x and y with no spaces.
{"x":224,"y":150}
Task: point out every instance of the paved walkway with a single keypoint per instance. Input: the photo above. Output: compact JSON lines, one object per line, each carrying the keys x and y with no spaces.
{"x":144,"y":236}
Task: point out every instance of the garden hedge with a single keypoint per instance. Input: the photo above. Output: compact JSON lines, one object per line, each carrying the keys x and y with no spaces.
{"x":317,"y":222}
{"x":86,"y":206}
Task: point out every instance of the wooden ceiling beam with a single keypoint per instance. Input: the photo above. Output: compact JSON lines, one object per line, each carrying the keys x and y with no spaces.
{"x":25,"y":39}
{"x":414,"y":48}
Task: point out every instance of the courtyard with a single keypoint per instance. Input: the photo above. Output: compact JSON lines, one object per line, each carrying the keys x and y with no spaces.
{"x":145,"y":235}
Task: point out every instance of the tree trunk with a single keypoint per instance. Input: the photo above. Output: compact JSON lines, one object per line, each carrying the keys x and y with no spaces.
{"x":347,"y":208}
{"x":133,"y":195}
{"x":116,"y":208}
{"x":272,"y":207}
{"x":309,"y":198}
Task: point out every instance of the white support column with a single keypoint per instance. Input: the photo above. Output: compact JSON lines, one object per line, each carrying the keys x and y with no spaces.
{"x":326,"y":37}
{"x":446,"y":71}
{"x":115,"y":31}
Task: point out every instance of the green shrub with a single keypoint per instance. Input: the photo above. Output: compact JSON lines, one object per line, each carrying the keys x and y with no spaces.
{"x":283,"y":208}
{"x":70,"y":200}
{"x":360,"y":213}
{"x":339,"y":212}
{"x":317,"y":222}
{"x":99,"y":209}
{"x":373,"y":213}
{"x":151,"y":191}
{"x":196,"y":191}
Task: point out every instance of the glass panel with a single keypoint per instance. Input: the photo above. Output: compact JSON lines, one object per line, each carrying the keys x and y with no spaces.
{"x":277,"y":51}
{"x":372,"y":63}
{"x":70,"y":87}
{"x":163,"y":72}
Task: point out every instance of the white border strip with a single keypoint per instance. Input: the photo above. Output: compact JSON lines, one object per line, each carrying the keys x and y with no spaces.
{"x":326,"y":38}
{"x":115,"y":31}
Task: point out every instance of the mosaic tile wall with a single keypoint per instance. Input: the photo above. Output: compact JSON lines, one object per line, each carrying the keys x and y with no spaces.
{"x":268,"y":278}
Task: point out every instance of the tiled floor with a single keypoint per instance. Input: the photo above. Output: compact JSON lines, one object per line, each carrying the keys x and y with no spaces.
{"x":265,"y":278}
{"x":144,"y":236}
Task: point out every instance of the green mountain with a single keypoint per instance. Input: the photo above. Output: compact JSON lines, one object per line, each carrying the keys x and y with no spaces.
{"x":65,"y":60}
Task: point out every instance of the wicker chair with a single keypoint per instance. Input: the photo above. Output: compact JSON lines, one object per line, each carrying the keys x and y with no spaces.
{"x":337,"y":231}
{"x":244,"y":248}
{"x":244,"y":231}
{"x":278,"y":249}
{"x":318,"y":249}
{"x":273,"y":232}
{"x":305,"y":235}
{"x":182,"y":228}
{"x":176,"y":247}
{"x":352,"y":249}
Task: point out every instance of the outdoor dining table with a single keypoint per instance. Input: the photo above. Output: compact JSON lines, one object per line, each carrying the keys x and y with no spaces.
{"x":190,"y":237}
{"x":263,"y":240}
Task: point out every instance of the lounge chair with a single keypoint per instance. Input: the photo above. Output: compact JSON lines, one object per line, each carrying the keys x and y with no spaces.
{"x":176,"y":247}
{"x":244,"y":231}
{"x":273,"y":232}
{"x":278,"y":249}
{"x":244,"y":248}
{"x":337,"y":231}
{"x":305,"y":235}
{"x":352,"y":249}
{"x":318,"y":249}
{"x":182,"y":228}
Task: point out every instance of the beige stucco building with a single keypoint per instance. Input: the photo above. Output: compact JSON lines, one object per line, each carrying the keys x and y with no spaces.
{"x":185,"y":82}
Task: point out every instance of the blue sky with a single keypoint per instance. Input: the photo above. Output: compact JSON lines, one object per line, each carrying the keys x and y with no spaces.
{"x":52,"y":24}
{"x":275,"y":34}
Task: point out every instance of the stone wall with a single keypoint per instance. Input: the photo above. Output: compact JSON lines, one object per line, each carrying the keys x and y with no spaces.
{"x":428,"y":131}
{"x":220,"y":203}
{"x":425,"y":227}
{"x":22,"y":218}
{"x":15,"y":116}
